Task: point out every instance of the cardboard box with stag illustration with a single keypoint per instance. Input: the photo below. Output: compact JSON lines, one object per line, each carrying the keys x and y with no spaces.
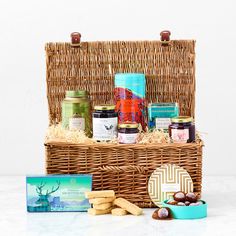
{"x":57,"y":193}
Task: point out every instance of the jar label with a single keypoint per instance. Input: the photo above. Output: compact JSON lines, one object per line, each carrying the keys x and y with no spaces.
{"x":104,"y":129}
{"x":180,"y":135}
{"x":163,"y":123}
{"x":77,"y":123}
{"x":128,"y":138}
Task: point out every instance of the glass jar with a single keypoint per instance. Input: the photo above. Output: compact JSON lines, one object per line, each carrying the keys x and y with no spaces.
{"x":105,"y":121}
{"x":182,"y":129}
{"x":76,"y":111}
{"x":128,"y":133}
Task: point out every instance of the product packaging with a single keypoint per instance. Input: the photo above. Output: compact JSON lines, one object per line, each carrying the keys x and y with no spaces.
{"x":160,"y":114}
{"x":58,"y":193}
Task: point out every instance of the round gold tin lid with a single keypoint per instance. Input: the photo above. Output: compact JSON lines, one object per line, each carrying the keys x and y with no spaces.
{"x":166,"y":180}
{"x":182,"y":119}
{"x":105,"y":107}
{"x":128,"y":125}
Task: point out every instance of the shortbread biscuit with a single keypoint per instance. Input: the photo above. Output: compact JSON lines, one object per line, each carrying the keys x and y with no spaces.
{"x":103,"y":206}
{"x":119,"y":212}
{"x":102,"y":194}
{"x":128,"y":206}
{"x":95,"y":212}
{"x":101,"y":200}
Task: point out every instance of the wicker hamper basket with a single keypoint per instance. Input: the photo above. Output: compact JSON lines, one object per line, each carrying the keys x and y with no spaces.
{"x":170,"y":75}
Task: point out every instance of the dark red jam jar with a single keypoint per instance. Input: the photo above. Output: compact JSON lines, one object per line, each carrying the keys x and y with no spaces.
{"x":128,"y":133}
{"x":182,"y":129}
{"x":105,"y":121}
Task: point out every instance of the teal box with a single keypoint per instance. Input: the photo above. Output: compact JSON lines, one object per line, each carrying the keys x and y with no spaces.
{"x":57,"y":193}
{"x":187,"y":212}
{"x":160,"y":114}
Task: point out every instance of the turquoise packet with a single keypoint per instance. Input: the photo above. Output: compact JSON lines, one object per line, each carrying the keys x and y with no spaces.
{"x":160,"y":114}
{"x":57,"y":193}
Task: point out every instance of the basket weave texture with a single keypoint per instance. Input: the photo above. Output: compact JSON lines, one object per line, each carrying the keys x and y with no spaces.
{"x":170,"y":76}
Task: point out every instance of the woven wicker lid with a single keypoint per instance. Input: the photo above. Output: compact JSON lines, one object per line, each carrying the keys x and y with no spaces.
{"x":169,"y":71}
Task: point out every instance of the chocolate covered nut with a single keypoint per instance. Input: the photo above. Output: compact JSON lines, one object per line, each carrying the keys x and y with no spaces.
{"x":181,"y":204}
{"x":179,"y":196}
{"x":172,"y":202}
{"x":191,"y":197}
{"x":187,"y":203}
{"x":162,"y":213}
{"x":192,"y":204}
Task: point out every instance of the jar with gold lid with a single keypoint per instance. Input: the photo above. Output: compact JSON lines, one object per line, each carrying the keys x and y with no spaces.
{"x":128,"y":133}
{"x":182,"y":129}
{"x":105,"y":121}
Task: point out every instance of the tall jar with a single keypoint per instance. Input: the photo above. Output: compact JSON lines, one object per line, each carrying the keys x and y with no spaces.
{"x":76,"y":111}
{"x":104,"y":123}
{"x":130,"y":90}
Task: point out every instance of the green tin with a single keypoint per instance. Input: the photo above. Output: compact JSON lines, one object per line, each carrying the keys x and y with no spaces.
{"x":76,"y":111}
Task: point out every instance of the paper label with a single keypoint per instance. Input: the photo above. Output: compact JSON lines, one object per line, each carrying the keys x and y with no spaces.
{"x":163,"y":123}
{"x":105,"y":129}
{"x":170,"y":188}
{"x":127,"y":138}
{"x":77,"y":123}
{"x":180,"y":135}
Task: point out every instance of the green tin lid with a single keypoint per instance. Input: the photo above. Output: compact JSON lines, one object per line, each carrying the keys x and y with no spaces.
{"x":76,"y":93}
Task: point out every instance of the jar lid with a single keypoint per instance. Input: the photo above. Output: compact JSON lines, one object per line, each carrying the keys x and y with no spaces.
{"x":105,"y":107}
{"x":76,"y":93}
{"x":128,"y":125}
{"x":182,"y":119}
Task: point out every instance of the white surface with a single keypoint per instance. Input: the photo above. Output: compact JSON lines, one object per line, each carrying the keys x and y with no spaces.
{"x":26,"y":25}
{"x":219,"y":192}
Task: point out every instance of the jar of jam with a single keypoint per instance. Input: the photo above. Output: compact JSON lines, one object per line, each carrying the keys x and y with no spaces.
{"x":105,"y":121}
{"x":182,"y":129}
{"x":128,"y":133}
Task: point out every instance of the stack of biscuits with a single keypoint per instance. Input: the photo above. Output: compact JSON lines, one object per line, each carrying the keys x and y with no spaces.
{"x":105,"y":202}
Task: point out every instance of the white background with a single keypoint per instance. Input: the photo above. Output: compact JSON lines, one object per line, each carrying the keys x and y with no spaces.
{"x":26,"y":25}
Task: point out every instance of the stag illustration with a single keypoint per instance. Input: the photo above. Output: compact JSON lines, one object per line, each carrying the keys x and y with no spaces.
{"x":43,"y":202}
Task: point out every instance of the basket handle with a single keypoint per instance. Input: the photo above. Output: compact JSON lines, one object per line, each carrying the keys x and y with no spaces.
{"x":139,"y":169}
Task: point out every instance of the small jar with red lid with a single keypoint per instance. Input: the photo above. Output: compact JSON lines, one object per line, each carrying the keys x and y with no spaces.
{"x":182,"y":129}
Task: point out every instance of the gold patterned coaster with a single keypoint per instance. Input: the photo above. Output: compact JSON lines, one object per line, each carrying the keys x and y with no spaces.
{"x":167,"y":180}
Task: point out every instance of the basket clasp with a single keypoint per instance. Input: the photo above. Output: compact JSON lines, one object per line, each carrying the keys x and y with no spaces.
{"x":165,"y":37}
{"x":75,"y":39}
